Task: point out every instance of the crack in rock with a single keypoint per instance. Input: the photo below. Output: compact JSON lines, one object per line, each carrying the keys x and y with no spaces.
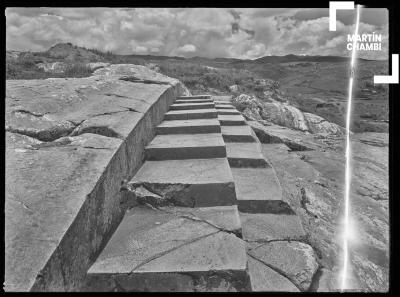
{"x":143,"y":81}
{"x":58,"y":142}
{"x":35,"y":114}
{"x":97,"y":148}
{"x":191,"y":216}
{"x":115,"y":112}
{"x":305,"y":201}
{"x":100,"y":130}
{"x":161,"y":194}
{"x":159,"y":255}
{"x":286,"y":239}
{"x":374,"y":143}
{"x":47,"y":135}
{"x":315,"y":280}
{"x":301,"y":267}
{"x":277,"y":270}
{"x":116,"y":95}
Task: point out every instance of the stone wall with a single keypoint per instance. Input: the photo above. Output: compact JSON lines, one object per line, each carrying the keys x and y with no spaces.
{"x":70,"y":144}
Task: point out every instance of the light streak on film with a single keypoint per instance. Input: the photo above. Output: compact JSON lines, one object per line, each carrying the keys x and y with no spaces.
{"x":346,"y":235}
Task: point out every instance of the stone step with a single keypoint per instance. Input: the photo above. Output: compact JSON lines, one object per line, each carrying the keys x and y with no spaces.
{"x":194,"y":97}
{"x":264,"y":227}
{"x":173,"y":249}
{"x":238,"y":134}
{"x":228,"y":111}
{"x":222,"y":102}
{"x":224,"y":106}
{"x":258,"y":191}
{"x":189,"y":126}
{"x":190,"y":183}
{"x":231,"y":120}
{"x":186,"y":146}
{"x":185,"y":106}
{"x":265,"y":279}
{"x":180,"y":101}
{"x":208,"y":113}
{"x":245,"y":154}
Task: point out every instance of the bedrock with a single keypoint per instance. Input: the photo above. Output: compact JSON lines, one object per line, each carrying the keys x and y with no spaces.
{"x":70,"y":144}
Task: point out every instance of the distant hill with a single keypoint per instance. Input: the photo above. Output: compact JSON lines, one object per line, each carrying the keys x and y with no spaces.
{"x":70,"y":52}
{"x":150,"y":57}
{"x":295,"y":58}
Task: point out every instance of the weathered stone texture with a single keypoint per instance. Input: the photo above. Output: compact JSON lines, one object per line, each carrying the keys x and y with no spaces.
{"x":295,"y":260}
{"x":70,"y":144}
{"x":173,"y":249}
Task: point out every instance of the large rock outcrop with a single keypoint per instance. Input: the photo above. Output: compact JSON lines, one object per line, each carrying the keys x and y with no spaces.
{"x":284,"y":114}
{"x":70,"y":143}
{"x":310,"y":168}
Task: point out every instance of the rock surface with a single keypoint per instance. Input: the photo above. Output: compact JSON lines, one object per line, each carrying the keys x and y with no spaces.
{"x":55,"y":67}
{"x":70,"y":143}
{"x":265,"y":279}
{"x":284,"y":114}
{"x":307,"y":153}
{"x":313,"y":183}
{"x":292,"y":259}
{"x":97,"y":65}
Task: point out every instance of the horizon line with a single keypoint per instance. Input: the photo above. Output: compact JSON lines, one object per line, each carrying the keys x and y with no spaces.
{"x":181,"y":57}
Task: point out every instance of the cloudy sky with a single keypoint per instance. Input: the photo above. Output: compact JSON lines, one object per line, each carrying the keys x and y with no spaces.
{"x":207,"y":32}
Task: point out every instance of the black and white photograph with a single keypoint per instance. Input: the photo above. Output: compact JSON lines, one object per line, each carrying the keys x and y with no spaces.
{"x":199,"y":149}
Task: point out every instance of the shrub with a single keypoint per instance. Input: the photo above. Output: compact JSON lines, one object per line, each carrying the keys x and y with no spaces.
{"x":77,"y":70}
{"x":23,"y":68}
{"x":194,"y":76}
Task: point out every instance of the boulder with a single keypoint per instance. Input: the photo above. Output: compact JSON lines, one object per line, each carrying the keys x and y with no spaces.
{"x":284,"y":114}
{"x":56,"y":67}
{"x":234,"y":88}
{"x":97,"y":65}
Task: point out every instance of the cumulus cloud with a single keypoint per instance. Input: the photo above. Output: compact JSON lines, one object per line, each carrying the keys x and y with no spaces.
{"x":187,"y":48}
{"x":207,"y":32}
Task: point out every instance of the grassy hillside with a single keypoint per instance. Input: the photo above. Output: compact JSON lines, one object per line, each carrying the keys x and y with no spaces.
{"x":200,"y":79}
{"x":314,"y":84}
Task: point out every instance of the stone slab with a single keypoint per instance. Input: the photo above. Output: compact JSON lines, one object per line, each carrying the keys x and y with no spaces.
{"x":192,"y":182}
{"x":186,"y":146}
{"x":267,"y":227}
{"x":238,"y":134}
{"x":196,"y":126}
{"x":194,"y":97}
{"x":245,"y":154}
{"x":183,"y":101}
{"x":296,"y":260}
{"x":222,"y":97}
{"x":152,"y":246}
{"x":185,"y":106}
{"x":228,"y":112}
{"x":222,"y":102}
{"x":231,"y":120}
{"x":224,"y":217}
{"x":191,"y":114}
{"x":258,"y":191}
{"x":224,"y":106}
{"x":265,"y":279}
